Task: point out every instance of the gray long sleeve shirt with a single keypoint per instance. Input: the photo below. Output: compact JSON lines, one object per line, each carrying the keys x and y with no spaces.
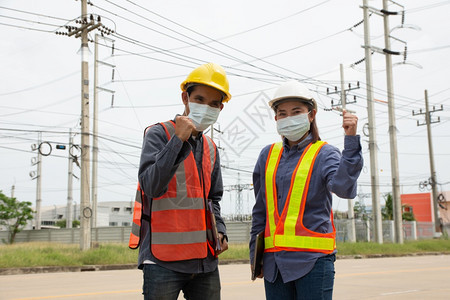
{"x":160,"y":158}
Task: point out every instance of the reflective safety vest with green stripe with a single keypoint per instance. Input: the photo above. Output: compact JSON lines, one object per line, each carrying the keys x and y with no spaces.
{"x":286,"y":232}
{"x":178,"y":218}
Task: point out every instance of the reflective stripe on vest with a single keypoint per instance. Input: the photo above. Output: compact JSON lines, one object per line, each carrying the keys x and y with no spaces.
{"x":135,"y":234}
{"x":286,"y":231}
{"x":178,"y":221}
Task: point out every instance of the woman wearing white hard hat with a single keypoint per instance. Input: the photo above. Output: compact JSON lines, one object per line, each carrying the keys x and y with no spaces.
{"x":293,"y":181}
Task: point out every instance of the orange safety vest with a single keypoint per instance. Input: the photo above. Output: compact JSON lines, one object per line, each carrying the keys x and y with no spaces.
{"x":178,"y":218}
{"x":286,"y":232}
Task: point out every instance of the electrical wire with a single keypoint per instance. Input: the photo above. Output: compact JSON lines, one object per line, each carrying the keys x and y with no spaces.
{"x":29,"y":21}
{"x":35,"y":14}
{"x":28,"y":28}
{"x":234,"y":58}
{"x":422,"y":8}
{"x":40,"y":85}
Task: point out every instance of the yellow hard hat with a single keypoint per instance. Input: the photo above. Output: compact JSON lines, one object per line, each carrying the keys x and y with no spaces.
{"x":209,"y":74}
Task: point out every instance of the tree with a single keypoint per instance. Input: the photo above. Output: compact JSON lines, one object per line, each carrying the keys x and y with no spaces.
{"x":408,"y":216}
{"x":62,"y":223}
{"x":388,"y":211}
{"x":359,"y":210}
{"x":14,"y":215}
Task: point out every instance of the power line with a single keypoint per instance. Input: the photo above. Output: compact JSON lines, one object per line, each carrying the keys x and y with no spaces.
{"x":239,"y":33}
{"x":39,"y":85}
{"x":36,"y":14}
{"x":66,"y":132}
{"x":422,"y":8}
{"x":28,"y":28}
{"x":29,"y":21}
{"x":220,"y":53}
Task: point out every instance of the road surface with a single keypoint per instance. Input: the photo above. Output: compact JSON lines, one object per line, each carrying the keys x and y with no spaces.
{"x":414,"y":277}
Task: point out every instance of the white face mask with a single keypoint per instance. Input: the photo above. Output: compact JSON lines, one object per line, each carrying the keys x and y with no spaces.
{"x":202,"y":115}
{"x":293,"y":128}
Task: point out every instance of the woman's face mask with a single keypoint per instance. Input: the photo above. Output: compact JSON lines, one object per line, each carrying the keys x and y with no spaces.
{"x":202,"y":115}
{"x":293,"y":128}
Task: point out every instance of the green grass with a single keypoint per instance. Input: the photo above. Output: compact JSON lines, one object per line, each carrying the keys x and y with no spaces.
{"x":409,"y":247}
{"x":51,"y":254}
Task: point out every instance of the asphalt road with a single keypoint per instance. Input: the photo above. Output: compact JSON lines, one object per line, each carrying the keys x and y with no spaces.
{"x":416,"y":277}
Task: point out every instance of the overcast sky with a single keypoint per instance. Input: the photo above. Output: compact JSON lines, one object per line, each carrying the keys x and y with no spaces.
{"x":260,"y":44}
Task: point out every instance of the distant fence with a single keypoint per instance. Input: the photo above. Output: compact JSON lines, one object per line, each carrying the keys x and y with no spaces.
{"x":365,"y":230}
{"x":238,"y":232}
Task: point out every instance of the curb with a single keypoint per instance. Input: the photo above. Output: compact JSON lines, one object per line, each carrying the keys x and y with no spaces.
{"x":91,"y":268}
{"x":56,"y":269}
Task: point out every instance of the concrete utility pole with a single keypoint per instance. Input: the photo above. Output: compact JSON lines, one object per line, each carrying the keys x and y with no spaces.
{"x":95,"y":139}
{"x":373,"y":147}
{"x":239,"y":205}
{"x":341,"y":106}
{"x":85,"y":207}
{"x":69,"y":211}
{"x":95,"y":132}
{"x":38,"y":184}
{"x":397,"y":205}
{"x":351,"y":213}
{"x":86,"y":24}
{"x":433,"y":180}
{"x":432,"y":170}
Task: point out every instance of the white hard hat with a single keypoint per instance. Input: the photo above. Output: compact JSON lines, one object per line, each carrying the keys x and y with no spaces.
{"x":293,"y":90}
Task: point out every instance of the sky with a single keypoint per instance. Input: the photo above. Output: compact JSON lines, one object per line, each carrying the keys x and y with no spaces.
{"x":154,"y":45}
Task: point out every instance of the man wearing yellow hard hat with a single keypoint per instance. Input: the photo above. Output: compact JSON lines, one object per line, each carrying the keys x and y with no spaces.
{"x":177,"y":223}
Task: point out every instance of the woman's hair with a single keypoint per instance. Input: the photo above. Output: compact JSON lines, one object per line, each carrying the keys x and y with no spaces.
{"x":313,"y":129}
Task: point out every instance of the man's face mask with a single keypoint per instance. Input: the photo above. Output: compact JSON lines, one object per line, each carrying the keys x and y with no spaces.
{"x":293,"y":128}
{"x":202,"y":115}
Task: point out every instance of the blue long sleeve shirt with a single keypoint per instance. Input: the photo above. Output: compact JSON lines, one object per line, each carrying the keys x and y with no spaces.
{"x":333,"y":172}
{"x":160,"y":159}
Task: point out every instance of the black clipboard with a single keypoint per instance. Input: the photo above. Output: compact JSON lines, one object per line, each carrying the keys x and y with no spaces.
{"x":258,"y":257}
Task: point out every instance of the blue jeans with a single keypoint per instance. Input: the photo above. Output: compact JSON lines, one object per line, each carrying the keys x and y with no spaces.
{"x":316,"y":285}
{"x":164,"y":284}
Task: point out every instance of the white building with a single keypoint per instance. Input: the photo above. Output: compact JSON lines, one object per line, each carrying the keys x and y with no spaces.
{"x":109,"y":213}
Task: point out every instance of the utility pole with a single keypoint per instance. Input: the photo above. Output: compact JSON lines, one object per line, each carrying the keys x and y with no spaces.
{"x":94,"y":189}
{"x":39,"y":184}
{"x":85,"y":207}
{"x":95,"y":139}
{"x":373,"y":147}
{"x":38,"y":178}
{"x":86,"y":25}
{"x":340,"y":107}
{"x":13,"y":187}
{"x":387,"y":52}
{"x":397,"y":205}
{"x":342,"y":104}
{"x":69,"y":211}
{"x":433,"y":180}
{"x":239,"y":206}
{"x":351,"y":213}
